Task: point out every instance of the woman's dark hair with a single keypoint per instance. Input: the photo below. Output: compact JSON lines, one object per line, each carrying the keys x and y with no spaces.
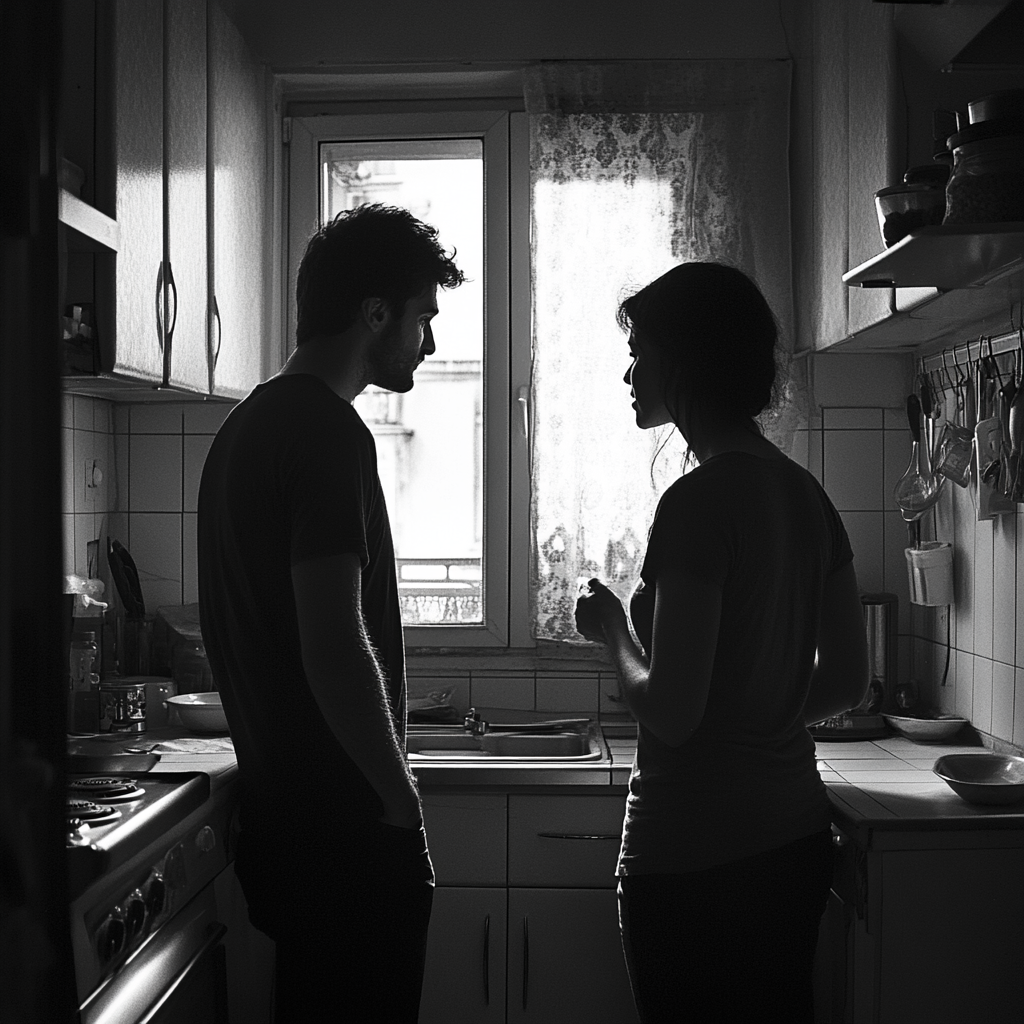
{"x":373,"y":251}
{"x":716,"y":336}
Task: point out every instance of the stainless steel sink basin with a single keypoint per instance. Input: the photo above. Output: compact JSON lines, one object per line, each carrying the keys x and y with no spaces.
{"x":457,"y":744}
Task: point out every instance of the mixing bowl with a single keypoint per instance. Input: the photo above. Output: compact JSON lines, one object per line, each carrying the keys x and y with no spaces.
{"x":983,"y":778}
{"x":200,"y":712}
{"x":927,"y":730}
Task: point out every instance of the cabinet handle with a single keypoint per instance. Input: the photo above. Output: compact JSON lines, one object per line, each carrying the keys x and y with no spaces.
{"x":159,"y":306}
{"x":577,"y":835}
{"x":523,"y":398}
{"x":526,"y":958}
{"x":487,"y":960}
{"x":216,"y":316}
{"x":174,"y":292}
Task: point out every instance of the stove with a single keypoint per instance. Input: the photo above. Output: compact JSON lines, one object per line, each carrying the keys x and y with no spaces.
{"x":142,"y":851}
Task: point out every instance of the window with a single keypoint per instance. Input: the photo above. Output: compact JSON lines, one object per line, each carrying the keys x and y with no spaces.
{"x":445,"y":449}
{"x":572,"y":207}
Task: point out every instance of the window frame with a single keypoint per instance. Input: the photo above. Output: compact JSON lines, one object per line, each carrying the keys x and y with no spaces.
{"x":507,"y":338}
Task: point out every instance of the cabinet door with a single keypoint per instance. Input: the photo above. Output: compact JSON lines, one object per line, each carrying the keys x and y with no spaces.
{"x":130,"y":47}
{"x":565,"y":959}
{"x":464,"y":977}
{"x":185,"y":182}
{"x":238,"y":217}
{"x":466,"y":835}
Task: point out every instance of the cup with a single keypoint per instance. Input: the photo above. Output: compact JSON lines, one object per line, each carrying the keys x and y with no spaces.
{"x":930,"y":568}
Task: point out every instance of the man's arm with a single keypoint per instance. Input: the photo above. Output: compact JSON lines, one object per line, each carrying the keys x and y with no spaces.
{"x":841,"y":672}
{"x":347,"y":681}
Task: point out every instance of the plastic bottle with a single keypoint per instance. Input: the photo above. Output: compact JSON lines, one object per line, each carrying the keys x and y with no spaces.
{"x":84,"y":661}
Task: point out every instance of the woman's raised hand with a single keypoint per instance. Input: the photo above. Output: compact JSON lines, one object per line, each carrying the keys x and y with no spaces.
{"x":596,"y":607}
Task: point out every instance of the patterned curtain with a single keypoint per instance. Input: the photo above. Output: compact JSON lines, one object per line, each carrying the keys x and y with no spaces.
{"x":634,"y":167}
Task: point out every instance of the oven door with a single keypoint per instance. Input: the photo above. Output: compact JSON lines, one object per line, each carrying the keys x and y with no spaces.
{"x":178,"y":974}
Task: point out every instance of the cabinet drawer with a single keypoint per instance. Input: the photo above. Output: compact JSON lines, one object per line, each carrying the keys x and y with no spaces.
{"x":466,"y":836}
{"x":570,"y":841}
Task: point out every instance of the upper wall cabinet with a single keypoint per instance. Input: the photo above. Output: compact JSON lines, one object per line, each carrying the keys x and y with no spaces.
{"x":238,"y":210}
{"x":164,"y":210}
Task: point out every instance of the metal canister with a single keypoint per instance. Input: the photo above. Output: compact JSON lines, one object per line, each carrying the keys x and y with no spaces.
{"x":122,"y":707}
{"x":880,"y":626}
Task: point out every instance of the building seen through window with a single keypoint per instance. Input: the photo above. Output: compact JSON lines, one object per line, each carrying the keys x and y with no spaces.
{"x":430,"y":441}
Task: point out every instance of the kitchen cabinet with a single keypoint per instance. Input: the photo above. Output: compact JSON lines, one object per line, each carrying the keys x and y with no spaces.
{"x":923,"y":926}
{"x":525,"y":890}
{"x":237,"y":174}
{"x":167,"y":243}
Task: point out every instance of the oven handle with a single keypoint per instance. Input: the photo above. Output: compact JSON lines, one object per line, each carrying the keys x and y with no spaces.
{"x":217,"y":933}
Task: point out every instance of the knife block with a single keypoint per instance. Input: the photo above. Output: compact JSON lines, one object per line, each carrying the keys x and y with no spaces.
{"x":134,"y":645}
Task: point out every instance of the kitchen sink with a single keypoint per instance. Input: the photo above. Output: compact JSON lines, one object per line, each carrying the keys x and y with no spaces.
{"x":454,"y":743}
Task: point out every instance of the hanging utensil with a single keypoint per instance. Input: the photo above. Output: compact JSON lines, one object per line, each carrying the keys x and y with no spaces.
{"x":126,"y":580}
{"x":917,"y":490}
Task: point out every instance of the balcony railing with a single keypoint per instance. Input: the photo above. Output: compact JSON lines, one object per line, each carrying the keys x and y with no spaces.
{"x":440,"y":591}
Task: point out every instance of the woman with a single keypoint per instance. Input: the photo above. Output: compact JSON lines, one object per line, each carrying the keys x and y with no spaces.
{"x":751,"y":628}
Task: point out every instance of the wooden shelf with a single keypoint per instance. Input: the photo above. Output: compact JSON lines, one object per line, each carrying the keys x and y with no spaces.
{"x":945,"y":283}
{"x":945,"y":257}
{"x":93,"y":230}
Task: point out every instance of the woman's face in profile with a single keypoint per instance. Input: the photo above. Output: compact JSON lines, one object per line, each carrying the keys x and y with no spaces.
{"x":647,"y":383}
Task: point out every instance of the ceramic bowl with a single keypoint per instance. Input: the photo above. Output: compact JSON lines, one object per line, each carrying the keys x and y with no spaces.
{"x":200,"y":712}
{"x":927,"y":730}
{"x":983,"y":778}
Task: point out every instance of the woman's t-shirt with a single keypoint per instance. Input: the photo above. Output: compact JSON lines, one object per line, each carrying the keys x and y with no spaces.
{"x":765,"y":532}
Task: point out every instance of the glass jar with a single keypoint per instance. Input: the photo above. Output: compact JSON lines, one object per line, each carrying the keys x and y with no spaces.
{"x":83,"y":661}
{"x":987,"y":183}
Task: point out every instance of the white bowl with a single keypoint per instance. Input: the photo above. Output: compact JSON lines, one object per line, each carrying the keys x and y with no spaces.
{"x":200,"y":712}
{"x":926,"y":730}
{"x":983,"y":778}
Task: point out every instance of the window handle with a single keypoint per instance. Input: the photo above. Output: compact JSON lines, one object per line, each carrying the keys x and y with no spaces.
{"x":523,"y":398}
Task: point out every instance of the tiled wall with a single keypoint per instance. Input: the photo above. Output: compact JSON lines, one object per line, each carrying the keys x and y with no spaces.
{"x":856,"y":442}
{"x":859,"y":450}
{"x":152,"y":456}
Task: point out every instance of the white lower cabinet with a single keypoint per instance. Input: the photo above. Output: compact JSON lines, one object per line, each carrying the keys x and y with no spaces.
{"x":565,"y":960}
{"x":525,"y":919}
{"x":464,"y":979}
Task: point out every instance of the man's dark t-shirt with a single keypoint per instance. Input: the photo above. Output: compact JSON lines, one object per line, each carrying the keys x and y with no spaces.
{"x":292,"y":476}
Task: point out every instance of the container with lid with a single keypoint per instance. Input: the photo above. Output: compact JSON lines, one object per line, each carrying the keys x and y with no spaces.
{"x":83,"y":661}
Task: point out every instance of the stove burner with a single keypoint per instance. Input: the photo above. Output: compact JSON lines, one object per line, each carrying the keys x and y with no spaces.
{"x":106,"y":789}
{"x":85,"y":811}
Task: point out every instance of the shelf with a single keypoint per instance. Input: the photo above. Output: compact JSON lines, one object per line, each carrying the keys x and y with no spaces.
{"x":946,"y":257}
{"x":94,"y":230}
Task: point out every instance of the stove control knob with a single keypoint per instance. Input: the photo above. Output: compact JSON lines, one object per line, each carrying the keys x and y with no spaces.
{"x":136,"y":914}
{"x":206,"y":839}
{"x":156,"y":895}
{"x":111,"y":935}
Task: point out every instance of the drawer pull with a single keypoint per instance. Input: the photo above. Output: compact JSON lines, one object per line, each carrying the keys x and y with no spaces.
{"x":487,"y":960}
{"x":577,"y":835}
{"x":526,"y":958}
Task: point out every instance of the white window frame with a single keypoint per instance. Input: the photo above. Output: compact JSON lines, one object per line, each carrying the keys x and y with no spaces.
{"x":507,"y":338}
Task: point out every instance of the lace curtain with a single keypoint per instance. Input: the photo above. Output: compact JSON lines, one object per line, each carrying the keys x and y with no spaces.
{"x":634,"y":168}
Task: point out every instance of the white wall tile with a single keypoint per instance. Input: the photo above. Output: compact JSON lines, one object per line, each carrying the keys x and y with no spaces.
{"x":155,"y":468}
{"x":1018,"y":706}
{"x":982,"y":699}
{"x":103,"y":416}
{"x":67,"y":469}
{"x":85,"y":531}
{"x":814,"y":454}
{"x":67,"y":411}
{"x":894,"y":570}
{"x":189,"y":559}
{"x":158,"y":418}
{"x":608,"y":687}
{"x":866,"y":533}
{"x":1004,"y":588}
{"x":896,"y":451}
{"x":423,"y":685}
{"x":853,"y":469}
{"x":67,"y":521}
{"x":799,"y":451}
{"x":122,"y":418}
{"x":155,"y":545}
{"x":206,"y":417}
{"x":121,"y":483}
{"x":965,"y":684}
{"x":982,"y":613}
{"x":577,"y":694}
{"x":197,"y":447}
{"x":1002,"y":701}
{"x":860,"y":379}
{"x":963,"y":569}
{"x":896,"y":419}
{"x":837,"y":418}
{"x":83,"y":412}
{"x":513,"y":692}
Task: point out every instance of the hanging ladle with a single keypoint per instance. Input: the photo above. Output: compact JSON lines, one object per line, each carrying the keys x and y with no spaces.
{"x":918,"y":489}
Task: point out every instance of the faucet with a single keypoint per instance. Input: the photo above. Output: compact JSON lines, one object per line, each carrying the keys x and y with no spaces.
{"x":473,"y":723}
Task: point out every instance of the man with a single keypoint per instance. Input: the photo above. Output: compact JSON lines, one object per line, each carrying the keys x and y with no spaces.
{"x":300,"y":616}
